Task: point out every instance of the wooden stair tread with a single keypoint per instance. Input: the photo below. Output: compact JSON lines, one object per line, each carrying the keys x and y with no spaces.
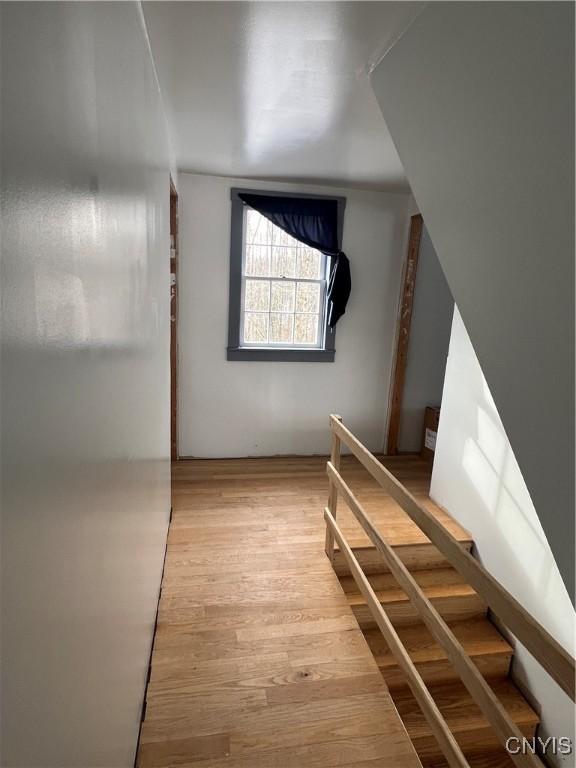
{"x":451,"y":596}
{"x":466,"y":542}
{"x":489,"y":759}
{"x":456,"y":601}
{"x":424,"y":577}
{"x":391,"y":596}
{"x":402,"y":536}
{"x":416,"y":557}
{"x":459,"y":710}
{"x":435,"y":583}
{"x":478,"y":637}
{"x":389,"y":517}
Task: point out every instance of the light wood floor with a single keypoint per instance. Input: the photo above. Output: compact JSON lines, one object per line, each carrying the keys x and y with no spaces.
{"x":258,"y":659}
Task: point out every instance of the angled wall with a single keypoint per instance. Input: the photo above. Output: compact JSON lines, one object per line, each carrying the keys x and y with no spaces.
{"x":478,"y":98}
{"x":85,"y":380}
{"x":477,"y":479}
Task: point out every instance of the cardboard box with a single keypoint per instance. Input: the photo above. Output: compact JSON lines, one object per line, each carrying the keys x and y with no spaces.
{"x":431,"y":420}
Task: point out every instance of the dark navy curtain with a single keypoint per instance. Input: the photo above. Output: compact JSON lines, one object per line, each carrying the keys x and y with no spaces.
{"x":313,"y":222}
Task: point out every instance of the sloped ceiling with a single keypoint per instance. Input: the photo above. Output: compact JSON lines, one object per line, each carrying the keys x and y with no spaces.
{"x":480,"y":100}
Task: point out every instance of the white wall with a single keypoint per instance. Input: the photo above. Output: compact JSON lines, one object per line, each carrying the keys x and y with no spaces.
{"x":428,"y":347}
{"x":477,"y":479}
{"x":479,"y":100}
{"x":85,"y":380}
{"x":254,"y":408}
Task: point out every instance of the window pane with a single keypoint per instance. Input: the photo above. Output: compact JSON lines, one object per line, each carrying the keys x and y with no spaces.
{"x":306,"y":329}
{"x":255,"y":327}
{"x":308,"y":297}
{"x":283,"y":261}
{"x":257,"y":296}
{"x":257,"y":228}
{"x":281,"y":328}
{"x":282,"y":297}
{"x":257,"y":260}
{"x":309,"y":262}
{"x":283,"y":238}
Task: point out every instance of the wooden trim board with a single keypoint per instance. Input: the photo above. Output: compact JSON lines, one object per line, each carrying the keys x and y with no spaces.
{"x":173,"y":322}
{"x":403,"y":339}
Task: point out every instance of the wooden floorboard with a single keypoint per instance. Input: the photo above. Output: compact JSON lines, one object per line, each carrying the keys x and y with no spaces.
{"x":258,"y":661}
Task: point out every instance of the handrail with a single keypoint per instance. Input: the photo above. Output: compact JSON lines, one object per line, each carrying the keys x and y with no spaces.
{"x":538,"y":641}
{"x":438,"y":725}
{"x":477,"y":686}
{"x":555,"y":659}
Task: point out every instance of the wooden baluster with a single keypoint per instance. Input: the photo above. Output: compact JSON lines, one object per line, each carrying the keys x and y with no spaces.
{"x":333,"y":490}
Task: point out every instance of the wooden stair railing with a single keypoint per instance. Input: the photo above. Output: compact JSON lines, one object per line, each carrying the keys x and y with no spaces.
{"x":558,"y":663}
{"x":438,"y":725}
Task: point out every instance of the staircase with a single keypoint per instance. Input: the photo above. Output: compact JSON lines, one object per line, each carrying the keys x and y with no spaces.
{"x":421,"y":600}
{"x":466,"y":614}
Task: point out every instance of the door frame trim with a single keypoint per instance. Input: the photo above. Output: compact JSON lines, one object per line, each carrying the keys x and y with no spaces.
{"x":405,"y":308}
{"x":173,"y":322}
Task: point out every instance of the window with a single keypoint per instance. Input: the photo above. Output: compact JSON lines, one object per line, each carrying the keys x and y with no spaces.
{"x":283,"y":288}
{"x":277,"y":293}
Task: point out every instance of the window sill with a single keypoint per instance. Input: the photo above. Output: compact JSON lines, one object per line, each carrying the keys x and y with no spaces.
{"x":281,"y":355}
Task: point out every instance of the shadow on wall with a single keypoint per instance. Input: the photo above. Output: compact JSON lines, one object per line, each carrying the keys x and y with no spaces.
{"x":476,"y":478}
{"x":509,"y":516}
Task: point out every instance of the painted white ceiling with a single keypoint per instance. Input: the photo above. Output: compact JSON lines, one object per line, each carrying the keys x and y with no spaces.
{"x":278,"y":90}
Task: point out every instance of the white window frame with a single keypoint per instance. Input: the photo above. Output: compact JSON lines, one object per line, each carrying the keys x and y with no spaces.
{"x":322,"y":310}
